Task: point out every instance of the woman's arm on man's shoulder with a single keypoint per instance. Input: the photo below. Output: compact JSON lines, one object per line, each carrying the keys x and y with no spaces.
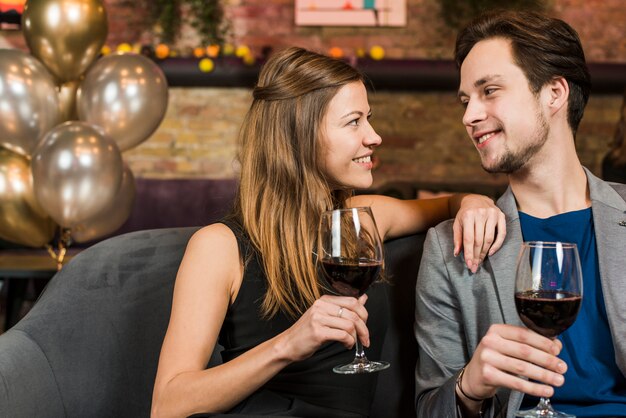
{"x":479,"y":225}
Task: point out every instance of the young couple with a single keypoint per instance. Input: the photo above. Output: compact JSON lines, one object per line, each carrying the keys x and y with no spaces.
{"x":251,"y":281}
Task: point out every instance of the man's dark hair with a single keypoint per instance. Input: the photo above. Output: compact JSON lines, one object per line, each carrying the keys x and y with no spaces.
{"x":543,"y":47}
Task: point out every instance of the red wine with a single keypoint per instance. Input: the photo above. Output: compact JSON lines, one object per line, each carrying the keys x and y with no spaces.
{"x":350,"y":278}
{"x":547,"y":312}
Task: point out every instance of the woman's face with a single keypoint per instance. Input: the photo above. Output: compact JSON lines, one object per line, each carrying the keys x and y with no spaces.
{"x":348,"y":140}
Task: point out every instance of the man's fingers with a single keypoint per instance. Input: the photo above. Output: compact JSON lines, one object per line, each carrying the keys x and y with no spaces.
{"x":526,"y":368}
{"x":499,"y":378}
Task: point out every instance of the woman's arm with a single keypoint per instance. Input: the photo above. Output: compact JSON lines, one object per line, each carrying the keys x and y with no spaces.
{"x":208,"y":281}
{"x":479,"y":225}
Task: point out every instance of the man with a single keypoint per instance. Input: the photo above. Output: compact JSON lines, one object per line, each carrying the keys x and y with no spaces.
{"x":524,"y":84}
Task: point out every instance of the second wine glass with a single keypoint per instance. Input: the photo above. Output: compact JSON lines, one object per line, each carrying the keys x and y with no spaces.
{"x":548,"y":295}
{"x":351,"y":256}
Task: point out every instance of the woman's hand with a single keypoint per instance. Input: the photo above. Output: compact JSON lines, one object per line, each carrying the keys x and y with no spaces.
{"x":330,"y":318}
{"x":479,"y":227}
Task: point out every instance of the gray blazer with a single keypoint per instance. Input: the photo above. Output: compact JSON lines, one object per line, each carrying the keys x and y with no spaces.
{"x":455,"y":308}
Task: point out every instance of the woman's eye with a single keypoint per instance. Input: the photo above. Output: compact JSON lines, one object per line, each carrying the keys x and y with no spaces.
{"x":354,"y":122}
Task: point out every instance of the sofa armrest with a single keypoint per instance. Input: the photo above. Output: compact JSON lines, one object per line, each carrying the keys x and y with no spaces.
{"x":27,"y":384}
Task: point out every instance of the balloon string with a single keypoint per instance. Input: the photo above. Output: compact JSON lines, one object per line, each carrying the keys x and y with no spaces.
{"x":64,"y":242}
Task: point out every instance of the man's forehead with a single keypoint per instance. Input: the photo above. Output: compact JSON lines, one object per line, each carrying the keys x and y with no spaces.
{"x":488,"y":61}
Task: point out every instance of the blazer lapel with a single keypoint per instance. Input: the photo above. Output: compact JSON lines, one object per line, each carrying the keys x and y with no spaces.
{"x":503,"y":262}
{"x":609,"y":212}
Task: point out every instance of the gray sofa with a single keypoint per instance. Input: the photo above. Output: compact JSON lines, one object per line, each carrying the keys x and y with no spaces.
{"x":90,"y":345}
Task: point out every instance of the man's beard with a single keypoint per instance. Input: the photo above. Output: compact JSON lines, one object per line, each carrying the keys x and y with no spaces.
{"x":512,"y":161}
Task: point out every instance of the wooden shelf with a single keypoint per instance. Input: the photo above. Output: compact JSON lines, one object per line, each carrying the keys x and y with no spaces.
{"x":399,"y":75}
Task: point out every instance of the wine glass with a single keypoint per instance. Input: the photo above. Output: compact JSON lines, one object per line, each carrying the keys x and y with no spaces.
{"x":548,"y":295}
{"x":351,"y":256}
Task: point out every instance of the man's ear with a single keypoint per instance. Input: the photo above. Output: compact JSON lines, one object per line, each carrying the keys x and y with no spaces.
{"x":558,"y":91}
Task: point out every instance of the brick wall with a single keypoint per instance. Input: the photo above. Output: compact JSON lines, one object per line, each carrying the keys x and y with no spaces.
{"x":424,"y":140}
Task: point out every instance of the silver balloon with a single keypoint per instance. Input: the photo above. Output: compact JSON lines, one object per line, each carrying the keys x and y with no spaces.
{"x":77,"y":171}
{"x":125,"y":94}
{"x":29,"y":104}
{"x":66,"y":35}
{"x":113,"y":216}
{"x":21,"y":219}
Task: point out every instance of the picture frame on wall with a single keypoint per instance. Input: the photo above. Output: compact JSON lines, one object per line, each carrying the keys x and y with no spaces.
{"x":350,"y":12}
{"x":11,"y":14}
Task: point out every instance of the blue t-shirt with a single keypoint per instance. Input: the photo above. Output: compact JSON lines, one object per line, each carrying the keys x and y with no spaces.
{"x":594,"y":385}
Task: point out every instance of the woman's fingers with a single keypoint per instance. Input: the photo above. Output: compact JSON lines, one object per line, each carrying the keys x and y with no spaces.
{"x":346,"y":314}
{"x":457,"y":231}
{"x":478,"y":230}
{"x":500,"y":235}
{"x":490,"y":225}
{"x":352,"y":325}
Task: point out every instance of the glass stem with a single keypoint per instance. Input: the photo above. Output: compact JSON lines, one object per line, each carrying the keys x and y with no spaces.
{"x":544,"y":404}
{"x":359,"y":356}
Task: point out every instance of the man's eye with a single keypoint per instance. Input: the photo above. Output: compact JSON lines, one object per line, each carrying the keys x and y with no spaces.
{"x":489,"y":91}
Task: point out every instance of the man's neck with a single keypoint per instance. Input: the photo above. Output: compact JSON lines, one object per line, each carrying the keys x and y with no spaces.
{"x":556,"y":185}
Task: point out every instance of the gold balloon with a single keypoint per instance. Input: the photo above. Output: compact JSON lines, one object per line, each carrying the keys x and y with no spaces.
{"x":125,"y":94}
{"x":29,"y":105}
{"x":77,"y":171}
{"x":113,"y":216}
{"x":66,"y":35}
{"x":22,"y":220}
{"x":67,"y":100}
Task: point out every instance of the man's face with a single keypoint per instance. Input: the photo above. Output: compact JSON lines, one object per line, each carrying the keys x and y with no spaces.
{"x":502,"y":115}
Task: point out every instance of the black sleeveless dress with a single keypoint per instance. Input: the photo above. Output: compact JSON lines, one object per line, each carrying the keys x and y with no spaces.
{"x":308,"y":388}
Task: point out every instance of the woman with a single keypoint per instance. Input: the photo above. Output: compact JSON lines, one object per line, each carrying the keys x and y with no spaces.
{"x":252,"y":280}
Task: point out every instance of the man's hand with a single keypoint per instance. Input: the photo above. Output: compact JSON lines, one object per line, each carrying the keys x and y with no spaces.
{"x":516,"y":358}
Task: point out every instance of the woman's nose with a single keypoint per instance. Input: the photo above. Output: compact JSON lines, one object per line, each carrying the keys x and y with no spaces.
{"x":372,"y":139}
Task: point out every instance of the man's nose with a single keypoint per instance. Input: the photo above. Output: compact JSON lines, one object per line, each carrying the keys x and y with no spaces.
{"x":474,"y":113}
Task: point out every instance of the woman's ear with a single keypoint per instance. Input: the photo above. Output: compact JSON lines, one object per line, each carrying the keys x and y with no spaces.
{"x":558,"y":91}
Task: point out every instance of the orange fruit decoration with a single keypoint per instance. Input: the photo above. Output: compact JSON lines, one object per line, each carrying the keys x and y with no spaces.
{"x":162,"y":51}
{"x":213,"y":50}
{"x":335,"y":52}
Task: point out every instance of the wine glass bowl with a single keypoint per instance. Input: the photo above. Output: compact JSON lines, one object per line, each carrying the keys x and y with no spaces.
{"x":350,"y":256}
{"x":548,"y":296}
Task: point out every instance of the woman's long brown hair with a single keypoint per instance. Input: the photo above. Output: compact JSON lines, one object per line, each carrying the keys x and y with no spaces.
{"x":282,"y":190}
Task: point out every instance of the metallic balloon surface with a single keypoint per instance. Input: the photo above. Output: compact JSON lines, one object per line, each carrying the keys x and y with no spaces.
{"x":113,"y":216}
{"x":125,"y":94}
{"x":77,"y":171}
{"x":29,"y":105}
{"x":22,"y":220}
{"x":66,"y":35}
{"x":67,"y":100}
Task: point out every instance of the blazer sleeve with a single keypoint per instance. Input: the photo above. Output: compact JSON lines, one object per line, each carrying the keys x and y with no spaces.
{"x":439,"y":330}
